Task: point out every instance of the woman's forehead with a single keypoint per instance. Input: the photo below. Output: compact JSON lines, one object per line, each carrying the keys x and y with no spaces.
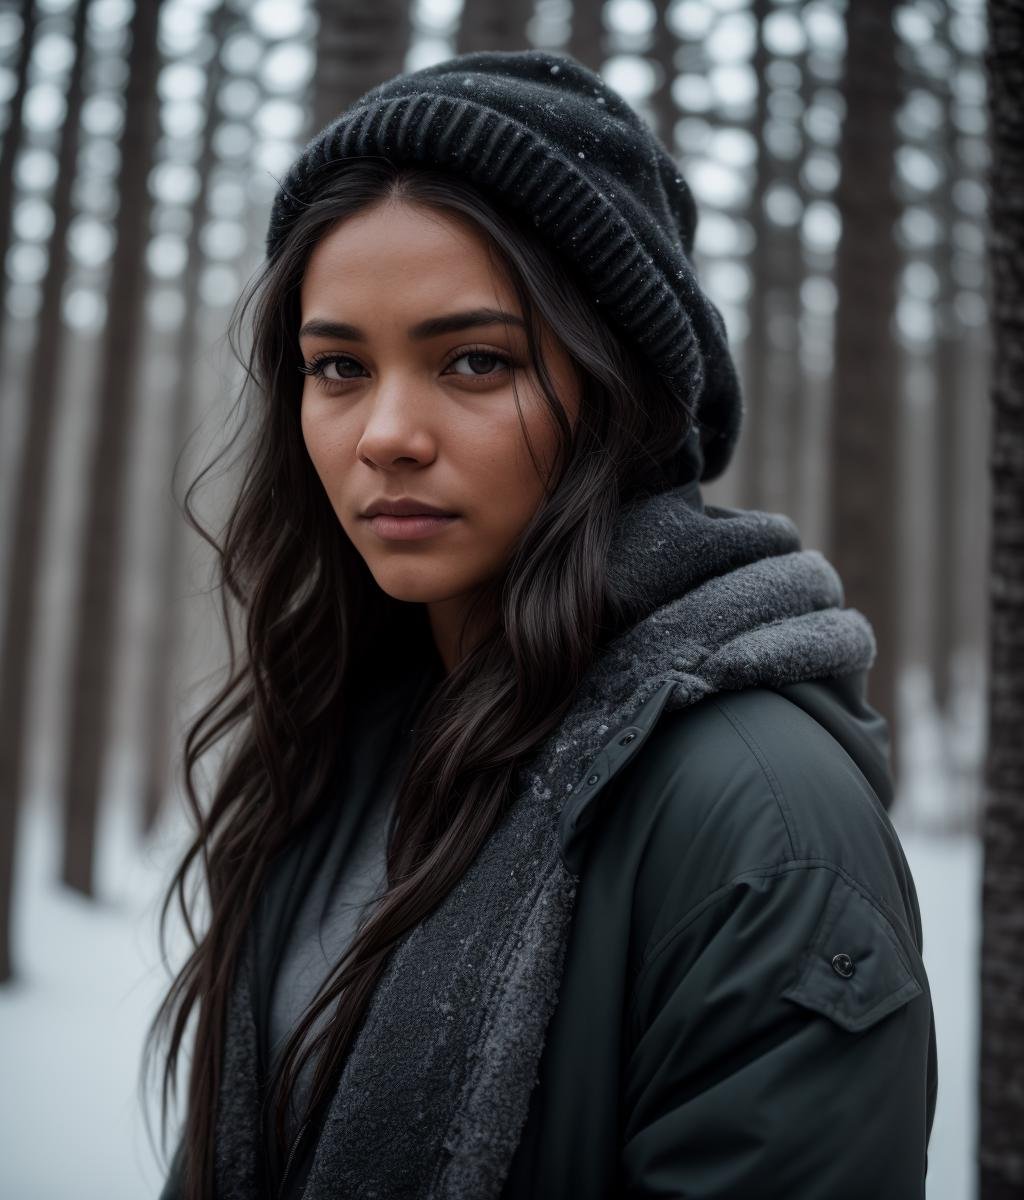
{"x":405,"y":265}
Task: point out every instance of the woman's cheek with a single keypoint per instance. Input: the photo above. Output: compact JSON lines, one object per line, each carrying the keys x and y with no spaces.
{"x":328,"y":442}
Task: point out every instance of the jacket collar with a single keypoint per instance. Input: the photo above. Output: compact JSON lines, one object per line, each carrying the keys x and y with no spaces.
{"x":620,"y":749}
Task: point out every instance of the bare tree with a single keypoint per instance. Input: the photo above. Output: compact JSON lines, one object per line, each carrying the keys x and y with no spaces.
{"x":785,"y":394}
{"x":947,"y":400}
{"x":663,"y":48}
{"x":360,"y":43}
{"x":588,"y":39}
{"x":1001,"y":1069}
{"x":166,"y":651}
{"x":14,"y":134}
{"x":865,"y":427}
{"x":95,"y":618}
{"x":493,"y":25}
{"x":29,"y":497}
{"x":756,"y":347}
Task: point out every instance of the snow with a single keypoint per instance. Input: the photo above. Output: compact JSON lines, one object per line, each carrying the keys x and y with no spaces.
{"x":947,"y":874}
{"x":71,"y":1028}
{"x":72,"y":1023}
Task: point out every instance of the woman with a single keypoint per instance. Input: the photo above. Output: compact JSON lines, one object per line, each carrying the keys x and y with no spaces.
{"x":552,"y":859}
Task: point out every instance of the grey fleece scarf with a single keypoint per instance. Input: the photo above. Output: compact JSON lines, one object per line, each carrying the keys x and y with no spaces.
{"x":434,"y":1093}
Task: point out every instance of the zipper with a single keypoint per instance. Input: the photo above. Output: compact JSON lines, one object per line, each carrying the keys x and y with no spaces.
{"x":291,"y":1158}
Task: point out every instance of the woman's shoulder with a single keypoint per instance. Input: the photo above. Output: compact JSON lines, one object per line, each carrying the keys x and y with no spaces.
{"x":766,"y":872}
{"x":773,"y":933}
{"x":749,"y":783}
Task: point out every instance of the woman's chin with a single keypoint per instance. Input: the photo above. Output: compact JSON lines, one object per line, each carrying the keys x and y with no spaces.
{"x":417,"y":583}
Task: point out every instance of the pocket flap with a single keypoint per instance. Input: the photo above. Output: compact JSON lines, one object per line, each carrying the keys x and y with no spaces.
{"x":855,"y":971}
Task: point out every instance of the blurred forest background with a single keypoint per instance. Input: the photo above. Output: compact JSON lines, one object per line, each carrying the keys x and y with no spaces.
{"x":838,"y":153}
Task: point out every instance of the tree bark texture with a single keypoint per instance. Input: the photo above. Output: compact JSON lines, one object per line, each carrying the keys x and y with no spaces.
{"x":493,"y":25}
{"x":865,"y":424}
{"x":1001,"y":1068}
{"x":359,"y":44}
{"x":14,"y":135}
{"x":95,"y":635}
{"x":29,"y":495}
{"x":167,"y":649}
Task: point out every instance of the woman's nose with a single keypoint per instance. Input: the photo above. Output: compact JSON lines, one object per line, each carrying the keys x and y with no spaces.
{"x":396,"y":429}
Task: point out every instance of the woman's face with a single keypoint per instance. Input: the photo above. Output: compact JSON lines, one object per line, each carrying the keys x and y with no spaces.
{"x":410,"y":399}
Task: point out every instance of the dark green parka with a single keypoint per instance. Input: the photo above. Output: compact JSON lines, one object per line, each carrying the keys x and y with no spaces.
{"x":742,"y":1009}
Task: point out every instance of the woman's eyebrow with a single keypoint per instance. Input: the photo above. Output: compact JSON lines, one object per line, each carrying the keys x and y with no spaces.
{"x":432,"y":327}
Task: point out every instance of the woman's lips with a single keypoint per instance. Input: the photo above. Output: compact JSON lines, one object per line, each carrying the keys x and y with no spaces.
{"x":405,"y":528}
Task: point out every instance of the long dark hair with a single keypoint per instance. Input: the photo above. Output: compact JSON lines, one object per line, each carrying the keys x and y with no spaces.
{"x":313,"y":618}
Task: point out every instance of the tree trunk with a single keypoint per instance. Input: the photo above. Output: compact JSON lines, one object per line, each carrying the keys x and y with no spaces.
{"x":948,"y":399}
{"x":493,"y":25}
{"x":95,"y":632}
{"x":360,"y":43}
{"x":13,"y":137}
{"x":866,"y":425}
{"x":756,"y":348}
{"x":588,"y":39}
{"x":780,"y":455}
{"x":29,"y":496}
{"x":663,"y":106}
{"x":1001,"y":1068}
{"x":167,"y":650}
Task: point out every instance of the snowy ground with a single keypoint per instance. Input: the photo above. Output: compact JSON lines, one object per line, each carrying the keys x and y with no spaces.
{"x":71,"y":1028}
{"x":72,"y":1024}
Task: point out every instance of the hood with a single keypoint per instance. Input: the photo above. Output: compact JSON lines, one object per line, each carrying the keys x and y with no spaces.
{"x":720,"y":599}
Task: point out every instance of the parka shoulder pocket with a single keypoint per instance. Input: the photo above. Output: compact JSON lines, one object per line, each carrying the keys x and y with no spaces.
{"x":855,"y":970}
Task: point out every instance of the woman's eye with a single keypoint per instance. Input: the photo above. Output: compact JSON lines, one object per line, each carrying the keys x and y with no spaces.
{"x":337,"y":365}
{"x":319,"y":367}
{"x":487,"y":356}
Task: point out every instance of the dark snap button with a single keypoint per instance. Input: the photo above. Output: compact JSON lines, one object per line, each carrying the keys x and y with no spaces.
{"x":627,"y":739}
{"x":592,"y":780}
{"x":842,"y":964}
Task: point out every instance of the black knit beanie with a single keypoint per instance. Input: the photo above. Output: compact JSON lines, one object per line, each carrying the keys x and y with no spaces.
{"x":542,"y":135}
